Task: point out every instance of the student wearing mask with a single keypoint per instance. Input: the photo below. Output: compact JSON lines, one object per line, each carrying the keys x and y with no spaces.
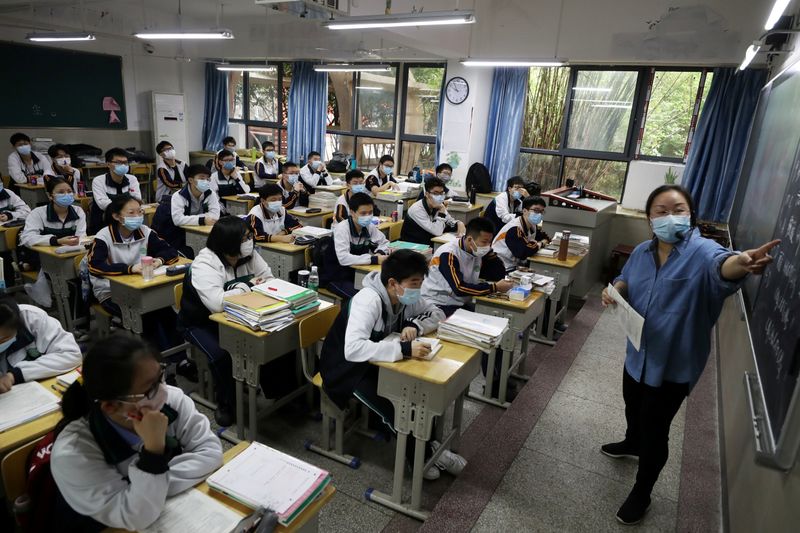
{"x":107,"y":187}
{"x":62,"y":166}
{"x":389,"y":303}
{"x":23,"y":162}
{"x":356,"y":242}
{"x":227,"y":180}
{"x":268,"y":220}
{"x":292,"y":189}
{"x":445,"y":173}
{"x":356,"y":183}
{"x":171,"y":171}
{"x":314,"y":173}
{"x":428,"y":218}
{"x":33,"y":345}
{"x":507,"y":205}
{"x":127,"y":441}
{"x":227,"y":266}
{"x":380,"y":178}
{"x":229,"y":144}
{"x":267,"y":167}
{"x":194,"y":205}
{"x":11,"y":208}
{"x":522,"y":237}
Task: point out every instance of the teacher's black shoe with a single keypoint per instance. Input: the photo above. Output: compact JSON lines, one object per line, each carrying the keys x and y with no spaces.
{"x":620,"y":450}
{"x":633,"y":510}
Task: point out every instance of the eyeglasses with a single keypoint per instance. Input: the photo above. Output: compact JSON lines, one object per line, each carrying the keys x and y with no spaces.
{"x":150,"y":393}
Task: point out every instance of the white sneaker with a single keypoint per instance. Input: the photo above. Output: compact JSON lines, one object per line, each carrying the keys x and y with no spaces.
{"x":449,"y":461}
{"x":431,"y":474}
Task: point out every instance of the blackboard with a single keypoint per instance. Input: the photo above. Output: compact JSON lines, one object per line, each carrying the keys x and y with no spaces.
{"x":767,"y":207}
{"x":45,"y":87}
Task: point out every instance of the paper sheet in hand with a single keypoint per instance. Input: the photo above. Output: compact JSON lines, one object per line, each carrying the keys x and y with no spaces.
{"x":193,"y":511}
{"x":631,"y":321}
{"x":432,"y":343}
{"x":25,"y":402}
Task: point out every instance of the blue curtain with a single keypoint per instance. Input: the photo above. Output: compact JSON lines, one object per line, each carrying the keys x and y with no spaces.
{"x":504,"y":131}
{"x":308,"y":110}
{"x":439,"y":123}
{"x":215,"y":117}
{"x":720,"y":140}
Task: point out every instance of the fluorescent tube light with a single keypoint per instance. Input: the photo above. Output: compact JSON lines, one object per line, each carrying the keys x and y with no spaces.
{"x":775,"y":14}
{"x":209,"y":34}
{"x":749,"y":54}
{"x":368,"y":88}
{"x":246,"y":68}
{"x":49,"y":37}
{"x":439,"y":18}
{"x":504,"y":63}
{"x":593,"y":89}
{"x":614,"y":106}
{"x":355,"y":67}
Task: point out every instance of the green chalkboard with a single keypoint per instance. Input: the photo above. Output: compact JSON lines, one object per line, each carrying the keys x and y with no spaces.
{"x":49,"y":87}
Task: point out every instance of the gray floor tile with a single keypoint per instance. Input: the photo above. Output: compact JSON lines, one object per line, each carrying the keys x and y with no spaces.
{"x":348,"y":515}
{"x":595,"y":378}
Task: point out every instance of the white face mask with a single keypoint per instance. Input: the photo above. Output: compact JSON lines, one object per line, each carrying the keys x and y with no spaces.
{"x":63,"y":161}
{"x":480,"y":251}
{"x":246,"y":249}
{"x":168,"y":154}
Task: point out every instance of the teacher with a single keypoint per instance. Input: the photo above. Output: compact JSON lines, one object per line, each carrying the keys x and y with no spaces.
{"x":678,"y":282}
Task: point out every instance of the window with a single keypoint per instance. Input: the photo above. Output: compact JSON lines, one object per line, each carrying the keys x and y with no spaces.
{"x":340,"y":101}
{"x":262,"y":96}
{"x":376,"y":100}
{"x":370,"y":149}
{"x":236,"y":95}
{"x":598,"y":175}
{"x":544,"y":107}
{"x":257,"y":136}
{"x":418,"y":154}
{"x":423,"y":88}
{"x":544,"y":169}
{"x":336,"y":142}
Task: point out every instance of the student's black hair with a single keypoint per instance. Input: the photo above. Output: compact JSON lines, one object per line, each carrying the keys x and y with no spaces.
{"x":226,"y":236}
{"x":289,"y":164}
{"x":54,"y":149}
{"x":107,"y":373}
{"x":117,"y":205}
{"x":270,"y":189}
{"x":17,"y":137}
{"x":267,"y":143}
{"x":351,"y":174}
{"x":384,"y":158}
{"x":443,"y":166}
{"x":402,"y":265}
{"x":115,"y":152}
{"x":677,"y":188}
{"x":359,"y":199}
{"x":514,"y":180}
{"x":51,"y":183}
{"x":312,"y":153}
{"x":228,"y":140}
{"x":479,"y":225}
{"x":163,"y":144}
{"x":432,"y":182}
{"x":531,"y":201}
{"x":224,"y":153}
{"x":194,"y":170}
{"x":9,"y":313}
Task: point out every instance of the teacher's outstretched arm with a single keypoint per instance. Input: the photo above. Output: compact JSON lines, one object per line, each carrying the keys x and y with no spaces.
{"x":752,"y":261}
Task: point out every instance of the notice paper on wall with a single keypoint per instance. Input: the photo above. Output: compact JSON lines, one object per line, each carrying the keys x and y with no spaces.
{"x":632,"y":322}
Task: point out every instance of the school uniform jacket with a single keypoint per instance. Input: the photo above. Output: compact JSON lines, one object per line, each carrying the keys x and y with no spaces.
{"x":290,"y":196}
{"x":72,"y":179}
{"x":44,"y":227}
{"x":503,"y":209}
{"x":352,"y":245}
{"x":104,"y":191}
{"x":42,"y":348}
{"x":311,"y":178}
{"x":210,"y":279}
{"x":266,"y":170}
{"x":422,"y":223}
{"x":110,"y":255}
{"x":341,"y":211}
{"x":357,"y":336}
{"x":184,"y":210}
{"x":228,"y":186}
{"x":265,"y":224}
{"x":12,"y":205}
{"x":516,"y":242}
{"x":19,"y":171}
{"x":112,"y":479}
{"x":170,"y":179}
{"x":454,"y":275}
{"x":374,"y":179}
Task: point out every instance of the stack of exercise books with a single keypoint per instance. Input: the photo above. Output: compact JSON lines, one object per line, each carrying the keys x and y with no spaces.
{"x":261,"y":476}
{"x":323,"y":200}
{"x":312,"y":231}
{"x":301,"y":300}
{"x":258,"y":311}
{"x":578,"y":244}
{"x":424,"y":249}
{"x":473,"y":329}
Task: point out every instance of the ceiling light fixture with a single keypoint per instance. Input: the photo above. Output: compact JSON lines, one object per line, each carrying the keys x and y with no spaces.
{"x":438,"y":18}
{"x":49,"y":37}
{"x":777,"y":11}
{"x":227,"y":67}
{"x":593,"y":89}
{"x":355,"y":67}
{"x":368,"y":88}
{"x":209,"y":34}
{"x":749,"y":54}
{"x":509,"y":63}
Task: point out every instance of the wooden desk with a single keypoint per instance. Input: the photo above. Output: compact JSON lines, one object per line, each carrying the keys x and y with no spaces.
{"x":313,"y":219}
{"x":464,"y":214}
{"x":13,"y":438}
{"x":249,"y":350}
{"x":338,"y":190}
{"x":61,"y":269}
{"x":238,"y":206}
{"x":420,"y":391}
{"x":196,"y":237}
{"x":135,"y":297}
{"x":361,"y":273}
{"x":387,"y":227}
{"x":521,"y":316}
{"x":33,"y":195}
{"x":388,"y":205}
{"x":484,"y":199}
{"x":283,"y":257}
{"x":563,"y":272}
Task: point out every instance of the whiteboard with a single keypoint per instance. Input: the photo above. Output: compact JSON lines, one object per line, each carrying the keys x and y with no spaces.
{"x":643,"y":178}
{"x":169,"y":122}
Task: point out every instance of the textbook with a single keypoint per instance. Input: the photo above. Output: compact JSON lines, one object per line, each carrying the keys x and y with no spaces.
{"x":25,"y":402}
{"x":261,"y":476}
{"x":192,"y":511}
{"x":473,"y":329}
{"x":312,"y":231}
{"x":424,"y":249}
{"x":257,"y":311}
{"x":294,"y":295}
{"x":69,"y":378}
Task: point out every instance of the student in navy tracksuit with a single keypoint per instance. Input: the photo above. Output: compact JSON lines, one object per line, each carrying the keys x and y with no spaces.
{"x":171,"y":171}
{"x":522,"y":237}
{"x":506,"y":205}
{"x":107,"y":187}
{"x":269,"y":220}
{"x":267,"y":167}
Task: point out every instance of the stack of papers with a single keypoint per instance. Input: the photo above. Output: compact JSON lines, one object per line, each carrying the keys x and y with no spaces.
{"x":25,"y":402}
{"x":312,"y":231}
{"x":261,"y":476}
{"x":69,"y":378}
{"x":456,"y":203}
{"x":433,"y":344}
{"x":301,"y":300}
{"x":393,"y":196}
{"x":258,"y":312}
{"x":324,"y":200}
{"x":248,"y":196}
{"x":474,"y":329}
{"x":407,"y":187}
{"x":547,"y":252}
{"x":578,"y":244}
{"x":424,"y":249}
{"x":193,"y":511}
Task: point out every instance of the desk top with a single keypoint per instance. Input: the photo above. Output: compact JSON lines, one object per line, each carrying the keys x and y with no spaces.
{"x":220,"y":318}
{"x":304,"y":214}
{"x":234,"y":198}
{"x":462,"y":209}
{"x":51,"y":250}
{"x":445,"y":238}
{"x":30,"y":187}
{"x":205,"y":230}
{"x":287,"y":247}
{"x":522,"y":305}
{"x":571,"y":262}
{"x":135,"y":281}
{"x":368,"y":268}
{"x":386,"y":223}
{"x":18,"y":435}
{"x":440,"y":369}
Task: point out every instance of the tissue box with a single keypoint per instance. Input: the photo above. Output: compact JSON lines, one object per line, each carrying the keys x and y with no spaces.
{"x":518,"y":294}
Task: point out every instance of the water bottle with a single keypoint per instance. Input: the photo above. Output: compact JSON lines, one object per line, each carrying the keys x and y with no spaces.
{"x":81,"y":190}
{"x":473,"y":195}
{"x":147,"y":268}
{"x":400,"y":205}
{"x":313,"y":279}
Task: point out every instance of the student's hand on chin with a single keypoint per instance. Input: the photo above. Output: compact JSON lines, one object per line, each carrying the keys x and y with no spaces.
{"x":152,"y":429}
{"x":408,"y":334}
{"x":6,"y":382}
{"x":3,"y":218}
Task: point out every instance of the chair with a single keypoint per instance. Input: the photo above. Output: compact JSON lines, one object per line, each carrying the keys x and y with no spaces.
{"x":11,"y":235}
{"x":205,"y":396}
{"x":394,"y":231}
{"x":14,"y":470}
{"x":102,"y":318}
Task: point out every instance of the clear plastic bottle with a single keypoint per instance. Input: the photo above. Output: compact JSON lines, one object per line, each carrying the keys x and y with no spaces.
{"x":147,"y":268}
{"x":313,"y":279}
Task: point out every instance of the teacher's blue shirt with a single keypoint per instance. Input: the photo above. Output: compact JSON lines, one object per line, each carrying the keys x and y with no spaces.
{"x":680,"y":303}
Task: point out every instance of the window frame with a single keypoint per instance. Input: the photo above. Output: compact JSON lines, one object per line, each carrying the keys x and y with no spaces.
{"x":414,"y":137}
{"x":282,"y":105}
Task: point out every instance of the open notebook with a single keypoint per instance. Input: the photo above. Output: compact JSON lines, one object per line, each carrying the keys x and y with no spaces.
{"x":25,"y":402}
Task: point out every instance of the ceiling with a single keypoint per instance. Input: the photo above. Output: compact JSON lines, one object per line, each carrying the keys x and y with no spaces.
{"x":678,"y":32}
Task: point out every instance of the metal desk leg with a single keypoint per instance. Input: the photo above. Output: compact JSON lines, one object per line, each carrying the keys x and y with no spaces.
{"x":458,"y":419}
{"x":416,"y":475}
{"x":61,"y":291}
{"x":253,"y":419}
{"x":240,"y":409}
{"x":505,"y":365}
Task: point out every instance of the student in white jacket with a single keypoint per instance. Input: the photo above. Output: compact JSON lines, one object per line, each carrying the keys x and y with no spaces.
{"x":59,"y":223}
{"x":33,"y":345}
{"x":23,"y":161}
{"x":314,"y":173}
{"x":106,"y":187}
{"x":127,"y":441}
{"x":389,"y":303}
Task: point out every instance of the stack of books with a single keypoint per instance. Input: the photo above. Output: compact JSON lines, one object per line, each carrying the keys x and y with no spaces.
{"x":578,"y":244}
{"x":257,"y":311}
{"x":312,"y":231}
{"x":323,"y":200}
{"x":473,"y":329}
{"x":425,"y":250}
{"x":301,"y":300}
{"x":407,"y":187}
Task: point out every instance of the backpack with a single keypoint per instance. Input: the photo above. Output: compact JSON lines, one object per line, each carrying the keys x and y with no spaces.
{"x":323,"y":255}
{"x":40,"y":489}
{"x":478,"y":177}
{"x":338,"y":162}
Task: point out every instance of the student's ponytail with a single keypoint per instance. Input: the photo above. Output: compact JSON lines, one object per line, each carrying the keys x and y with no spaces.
{"x":75,"y":404}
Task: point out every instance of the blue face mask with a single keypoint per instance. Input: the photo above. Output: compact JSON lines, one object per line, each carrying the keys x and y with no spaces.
{"x":438,"y":199}
{"x":292,"y":178}
{"x":534,"y":218}
{"x":516,"y":195}
{"x":409,"y":296}
{"x":228,"y":165}
{"x":387,"y":170}
{"x":315,"y":164}
{"x":121,"y":169}
{"x":671,"y":228}
{"x":358,"y":188}
{"x":365,"y":221}
{"x":7,"y":344}
{"x":270,"y":154}
{"x":24,"y":149}
{"x":274,"y":207}
{"x":133,"y":223}
{"x":202,"y":185}
{"x":65,"y":200}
